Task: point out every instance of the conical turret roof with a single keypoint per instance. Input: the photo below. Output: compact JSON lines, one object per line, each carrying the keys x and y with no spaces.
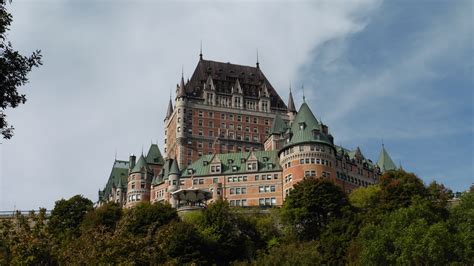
{"x":140,"y":164}
{"x":291,"y":103}
{"x":385,"y":162}
{"x":181,"y":89}
{"x":306,"y":129}
{"x":174,"y":169}
{"x":169,"y":112}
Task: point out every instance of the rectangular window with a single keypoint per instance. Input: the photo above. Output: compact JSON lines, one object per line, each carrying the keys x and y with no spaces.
{"x":261,"y":202}
{"x":257,"y":177}
{"x":272,"y":188}
{"x":261,"y":189}
{"x":273,"y":200}
{"x":201,"y":181}
{"x":301,"y":161}
{"x":244,"y":190}
{"x":231,"y":191}
{"x":237,"y":190}
{"x":215,"y":180}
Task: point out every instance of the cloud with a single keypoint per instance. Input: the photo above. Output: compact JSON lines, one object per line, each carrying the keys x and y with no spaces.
{"x":109,"y":67}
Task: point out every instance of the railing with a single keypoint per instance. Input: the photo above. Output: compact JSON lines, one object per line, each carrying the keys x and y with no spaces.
{"x":11,"y":214}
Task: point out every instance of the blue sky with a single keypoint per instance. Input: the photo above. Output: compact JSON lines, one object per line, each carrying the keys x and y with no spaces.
{"x":397,"y":70}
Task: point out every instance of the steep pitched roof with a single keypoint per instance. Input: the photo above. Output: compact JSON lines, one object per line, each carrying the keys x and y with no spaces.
{"x":306,"y":129}
{"x":224,"y":77}
{"x":154,"y":155}
{"x":169,"y":111}
{"x":174,"y":169}
{"x":181,"y":89}
{"x":235,"y":163}
{"x":118,"y":176}
{"x":291,"y":103}
{"x":278,"y":126}
{"x":141,"y":163}
{"x":385,"y":162}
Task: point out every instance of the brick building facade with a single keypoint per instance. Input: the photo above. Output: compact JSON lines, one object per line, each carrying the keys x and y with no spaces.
{"x":230,"y":136}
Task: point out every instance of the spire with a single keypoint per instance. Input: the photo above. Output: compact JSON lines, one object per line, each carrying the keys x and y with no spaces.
{"x":169,"y":112}
{"x":278,"y":126}
{"x":200,"y":52}
{"x":258,"y":64}
{"x":385,"y":162}
{"x":181,"y":89}
{"x":291,"y":103}
{"x":304,"y":97}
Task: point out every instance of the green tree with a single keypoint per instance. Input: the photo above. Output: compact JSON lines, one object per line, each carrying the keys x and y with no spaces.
{"x":311,"y":205}
{"x":67,"y":215}
{"x":462,"y":221}
{"x":399,"y":188}
{"x":228,"y":235}
{"x":291,"y":254}
{"x":107,"y":215}
{"x":146,"y":217}
{"x":365,"y":197}
{"x":14,"y":69}
{"x":407,"y":236}
{"x":181,"y":243}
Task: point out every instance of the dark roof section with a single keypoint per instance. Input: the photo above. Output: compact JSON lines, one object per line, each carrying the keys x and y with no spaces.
{"x":224,"y":76}
{"x":291,"y":103}
{"x":181,"y":89}
{"x":169,"y":112}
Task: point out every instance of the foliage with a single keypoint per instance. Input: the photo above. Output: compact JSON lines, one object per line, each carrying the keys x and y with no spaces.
{"x":14,"y":69}
{"x":375,"y":227}
{"x":291,"y":254}
{"x":145,"y":217}
{"x":311,"y":205}
{"x":67,"y":215}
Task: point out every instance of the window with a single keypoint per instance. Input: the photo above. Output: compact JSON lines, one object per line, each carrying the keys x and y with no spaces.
{"x":247,"y":119}
{"x":267,"y":122}
{"x":211,"y":123}
{"x":133,"y":185}
{"x":273,"y":201}
{"x":252,"y":166}
{"x":239,"y":118}
{"x":231,"y":191}
{"x":261,"y":202}
{"x":244,"y":190}
{"x":237,"y":191}
{"x":179,"y":129}
{"x":255,"y":120}
{"x":200,"y":113}
{"x":256,"y":178}
{"x":301,"y":148}
{"x":215,"y":180}
{"x":142,"y":185}
{"x":200,"y":122}
{"x":301,"y":161}
{"x":272,"y":188}
{"x":261,"y":189}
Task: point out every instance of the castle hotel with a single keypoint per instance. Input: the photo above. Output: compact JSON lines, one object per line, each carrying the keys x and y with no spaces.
{"x":230,"y":136}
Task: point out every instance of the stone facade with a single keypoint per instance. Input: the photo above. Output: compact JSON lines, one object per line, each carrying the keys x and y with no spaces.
{"x":230,"y":135}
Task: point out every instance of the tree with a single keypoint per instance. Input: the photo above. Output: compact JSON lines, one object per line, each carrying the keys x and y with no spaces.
{"x":311,"y":205}
{"x":107,"y":215}
{"x":14,"y":69}
{"x":407,"y":236}
{"x":145,"y":217}
{"x":399,"y":188}
{"x":67,"y":215}
{"x":181,"y":243}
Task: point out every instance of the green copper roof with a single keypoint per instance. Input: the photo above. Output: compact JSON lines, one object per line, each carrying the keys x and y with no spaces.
{"x":174,"y":169}
{"x":385,"y":162}
{"x":154,"y":155}
{"x":141,"y":163}
{"x":303,"y":129}
{"x":163,"y":175}
{"x":278,"y":126}
{"x":232,"y":163}
{"x":118,"y":176}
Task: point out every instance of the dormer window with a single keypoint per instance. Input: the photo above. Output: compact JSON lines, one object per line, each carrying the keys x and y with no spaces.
{"x":234,"y":168}
{"x":230,"y":161}
{"x":270,"y":165}
{"x":252,"y":166}
{"x":205,"y":163}
{"x":242,"y":160}
{"x":216,"y":168}
{"x":302,"y":125}
{"x":265,"y":159}
{"x":190,"y":171}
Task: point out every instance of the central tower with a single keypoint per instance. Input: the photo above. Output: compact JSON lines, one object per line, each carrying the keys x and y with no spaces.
{"x":223,"y":108}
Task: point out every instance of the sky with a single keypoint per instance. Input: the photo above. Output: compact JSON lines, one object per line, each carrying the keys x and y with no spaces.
{"x":397,"y":72}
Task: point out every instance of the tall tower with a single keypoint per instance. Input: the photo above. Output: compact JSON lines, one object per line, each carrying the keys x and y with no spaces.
{"x":224,"y":104}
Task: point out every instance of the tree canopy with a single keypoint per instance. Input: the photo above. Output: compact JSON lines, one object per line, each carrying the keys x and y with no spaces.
{"x":14,"y":69}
